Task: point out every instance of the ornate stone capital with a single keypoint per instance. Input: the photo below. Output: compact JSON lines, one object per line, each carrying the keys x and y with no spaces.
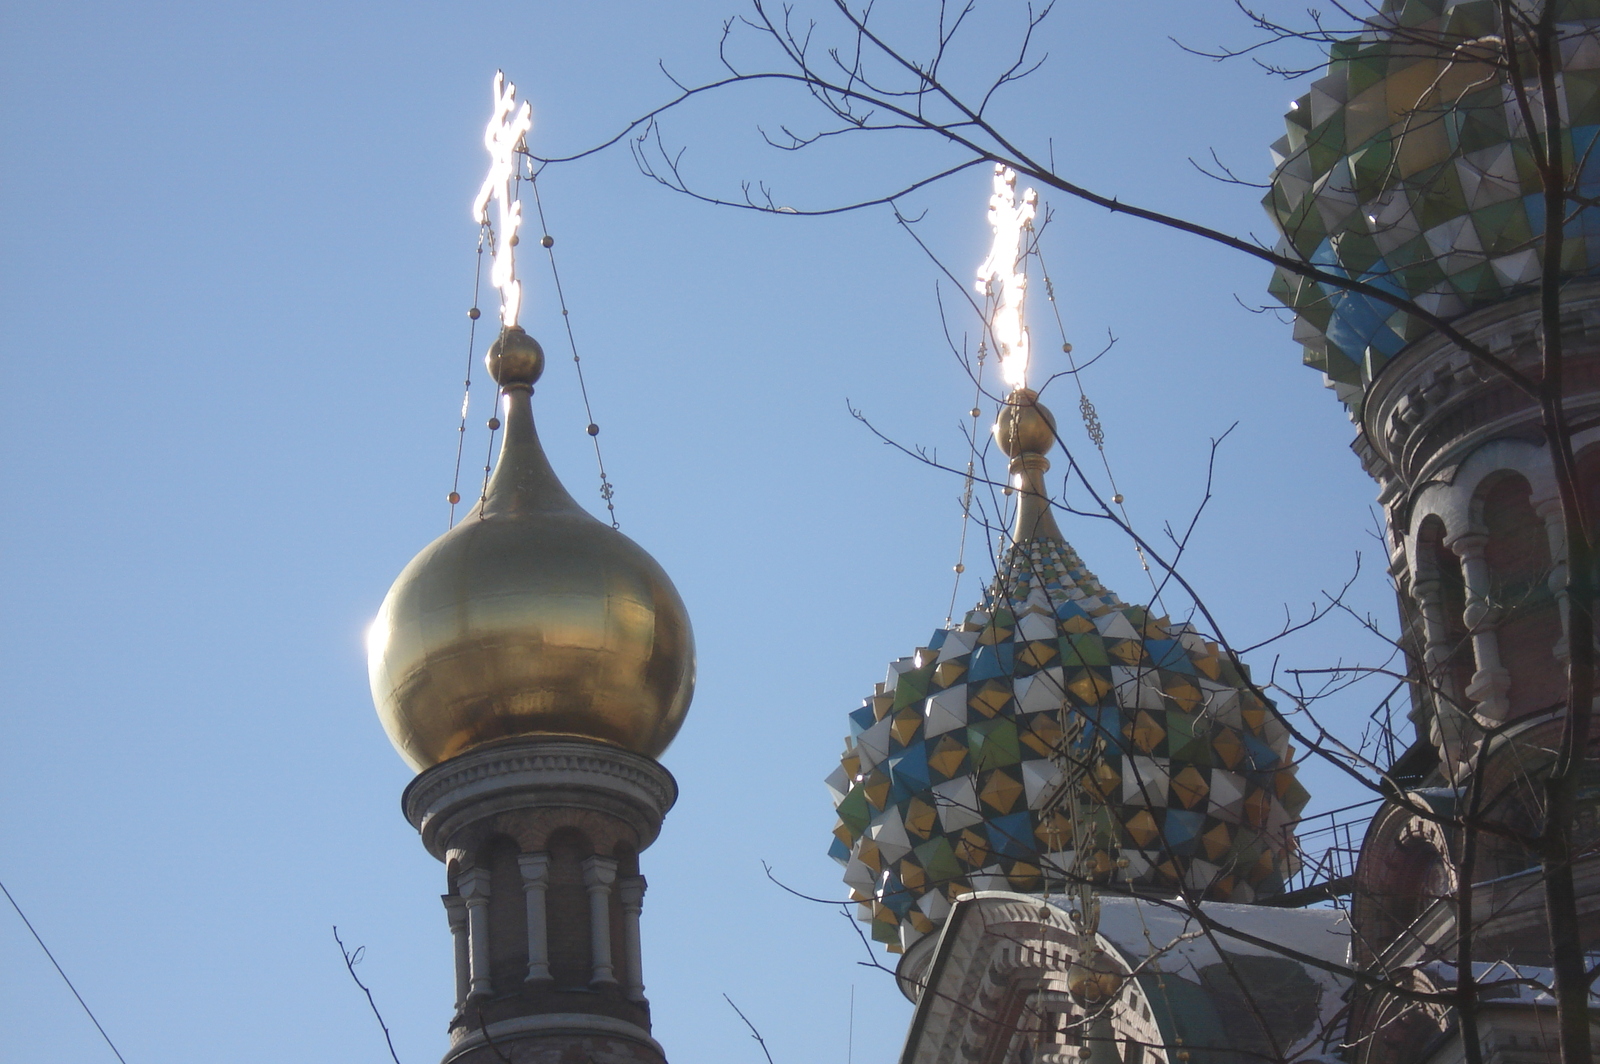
{"x":599,"y":872}
{"x":535,"y":868}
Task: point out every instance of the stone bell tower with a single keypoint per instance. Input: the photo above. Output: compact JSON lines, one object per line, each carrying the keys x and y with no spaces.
{"x":532,"y":663}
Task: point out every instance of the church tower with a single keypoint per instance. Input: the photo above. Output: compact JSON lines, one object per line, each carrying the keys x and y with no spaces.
{"x":531,"y":664}
{"x":1410,"y":167}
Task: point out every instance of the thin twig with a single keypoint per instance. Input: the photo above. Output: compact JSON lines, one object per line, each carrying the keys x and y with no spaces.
{"x":350,"y":962}
{"x":762,"y":1042}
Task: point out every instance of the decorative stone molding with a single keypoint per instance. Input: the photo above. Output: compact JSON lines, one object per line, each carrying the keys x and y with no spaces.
{"x":550,"y":1025}
{"x":1432,"y":405}
{"x":516,"y":774}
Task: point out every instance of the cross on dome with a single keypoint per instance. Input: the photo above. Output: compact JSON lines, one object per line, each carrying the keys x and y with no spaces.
{"x":504,"y":134}
{"x":1002,"y":277}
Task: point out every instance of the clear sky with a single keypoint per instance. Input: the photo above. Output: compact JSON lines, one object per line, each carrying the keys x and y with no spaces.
{"x":237,"y":256}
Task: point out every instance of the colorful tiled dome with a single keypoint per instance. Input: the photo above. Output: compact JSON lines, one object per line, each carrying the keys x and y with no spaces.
{"x":945,"y":781}
{"x":1408,"y":167}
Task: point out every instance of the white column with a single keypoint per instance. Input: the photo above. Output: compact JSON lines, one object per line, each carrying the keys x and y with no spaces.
{"x":474,"y":889}
{"x":631,"y":893}
{"x":456,"y":909}
{"x":598,"y":875}
{"x":1491,"y":682}
{"x":535,"y":879}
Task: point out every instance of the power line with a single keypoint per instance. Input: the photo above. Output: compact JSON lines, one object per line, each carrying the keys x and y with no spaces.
{"x":29,"y":924}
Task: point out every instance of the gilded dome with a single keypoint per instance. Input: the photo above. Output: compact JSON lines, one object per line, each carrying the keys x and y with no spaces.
{"x":530,"y":617}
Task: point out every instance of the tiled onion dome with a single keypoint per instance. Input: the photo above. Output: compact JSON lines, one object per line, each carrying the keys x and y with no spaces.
{"x":949,"y":763}
{"x":1414,"y":174}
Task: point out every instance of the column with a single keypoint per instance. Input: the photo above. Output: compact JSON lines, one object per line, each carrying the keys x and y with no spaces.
{"x":535,"y":879}
{"x":598,"y":875}
{"x":1549,"y":510}
{"x":1491,"y":682}
{"x":473,"y":887}
{"x":1449,"y":708}
{"x":631,"y":893}
{"x":456,"y":910}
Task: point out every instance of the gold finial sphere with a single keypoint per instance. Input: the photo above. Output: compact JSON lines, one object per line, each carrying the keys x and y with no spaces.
{"x":1025,"y":425}
{"x":514,"y":357}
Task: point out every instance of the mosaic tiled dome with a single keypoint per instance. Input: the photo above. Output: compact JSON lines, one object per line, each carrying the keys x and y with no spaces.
{"x":950,"y":763}
{"x":1414,"y":174}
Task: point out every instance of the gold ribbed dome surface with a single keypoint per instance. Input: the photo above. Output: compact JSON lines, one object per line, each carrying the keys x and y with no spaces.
{"x":529,"y":617}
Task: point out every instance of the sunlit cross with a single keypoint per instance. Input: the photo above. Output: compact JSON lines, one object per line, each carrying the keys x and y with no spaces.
{"x":508,"y":125}
{"x":1002,"y":276}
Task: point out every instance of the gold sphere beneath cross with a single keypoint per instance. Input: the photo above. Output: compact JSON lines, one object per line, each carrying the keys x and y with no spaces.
{"x":1025,"y":425}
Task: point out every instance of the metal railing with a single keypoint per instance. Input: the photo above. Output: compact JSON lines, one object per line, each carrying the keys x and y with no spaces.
{"x":1327,"y":846}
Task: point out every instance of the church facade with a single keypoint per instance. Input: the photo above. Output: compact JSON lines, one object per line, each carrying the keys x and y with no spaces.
{"x":1076,"y":823}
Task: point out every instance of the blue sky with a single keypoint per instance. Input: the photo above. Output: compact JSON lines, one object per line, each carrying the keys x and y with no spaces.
{"x":238,"y":256}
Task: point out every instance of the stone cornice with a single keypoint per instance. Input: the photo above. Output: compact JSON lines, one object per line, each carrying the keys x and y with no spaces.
{"x":521,"y":773}
{"x":1432,"y":405}
{"x":573,"y":1025}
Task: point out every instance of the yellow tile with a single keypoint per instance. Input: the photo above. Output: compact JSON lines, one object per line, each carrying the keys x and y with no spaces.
{"x":1142,"y":828}
{"x":1090,"y":688}
{"x":1217,"y":841}
{"x":947,"y":756}
{"x":921,"y":818}
{"x":1038,"y":653}
{"x":1190,"y":787}
{"x":1147,"y":734}
{"x":990,"y":698}
{"x":972,"y":849}
{"x":1127,"y":651}
{"x":1228,"y":747}
{"x":1184,"y":695}
{"x":1001,"y":791}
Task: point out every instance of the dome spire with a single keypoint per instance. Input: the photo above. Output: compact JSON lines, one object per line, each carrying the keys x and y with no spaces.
{"x":1026,"y":431}
{"x":1025,"y":428}
{"x":523,"y":481}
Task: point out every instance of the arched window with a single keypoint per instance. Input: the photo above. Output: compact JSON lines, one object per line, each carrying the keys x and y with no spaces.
{"x":508,"y":914}
{"x":571,"y":958}
{"x":1518,"y":555}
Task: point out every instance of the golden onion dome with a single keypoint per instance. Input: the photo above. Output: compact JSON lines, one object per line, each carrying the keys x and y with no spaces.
{"x":529,"y":618}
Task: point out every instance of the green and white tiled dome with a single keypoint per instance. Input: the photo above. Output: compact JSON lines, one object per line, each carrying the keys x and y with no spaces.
{"x":950,"y":764}
{"x":1408,"y":167}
